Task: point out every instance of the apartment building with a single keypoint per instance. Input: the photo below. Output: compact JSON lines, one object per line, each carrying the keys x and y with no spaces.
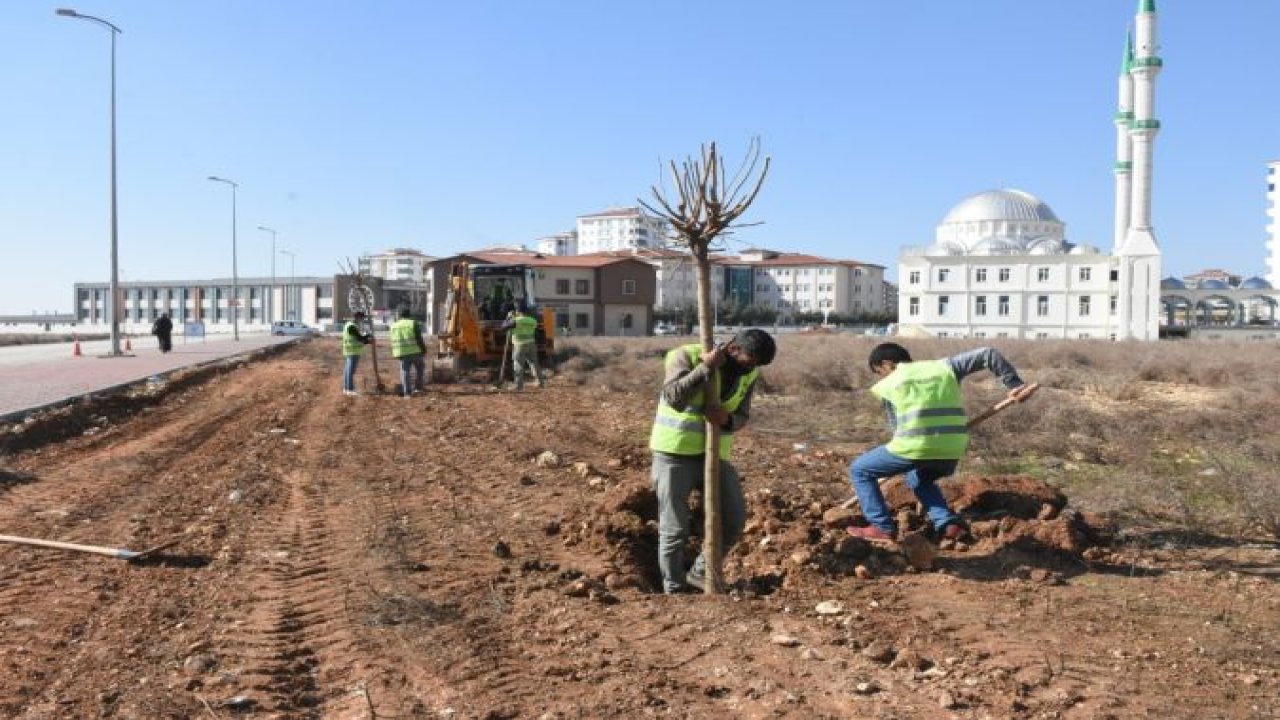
{"x":620,"y":229}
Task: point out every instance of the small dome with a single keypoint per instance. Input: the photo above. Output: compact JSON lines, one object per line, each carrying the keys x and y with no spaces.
{"x":994,"y":246}
{"x":997,"y":205}
{"x":1172,"y":283}
{"x":1255,"y":283}
{"x":1212,"y":285}
{"x":1083,"y":249}
{"x":943,"y":250}
{"x":1045,"y":246}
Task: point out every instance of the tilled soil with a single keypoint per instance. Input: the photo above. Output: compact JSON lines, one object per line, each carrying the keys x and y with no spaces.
{"x":481,"y":554}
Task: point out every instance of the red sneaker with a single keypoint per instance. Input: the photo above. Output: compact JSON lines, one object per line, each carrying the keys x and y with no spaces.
{"x":870,"y":533}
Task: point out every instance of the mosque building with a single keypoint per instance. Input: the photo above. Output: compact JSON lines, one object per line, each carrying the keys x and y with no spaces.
{"x":1001,"y":265}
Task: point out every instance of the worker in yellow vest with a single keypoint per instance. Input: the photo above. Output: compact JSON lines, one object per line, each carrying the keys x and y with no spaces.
{"x":524,"y":345}
{"x":353,"y":344}
{"x":926,"y":411}
{"x":678,"y":441}
{"x":410,"y":349}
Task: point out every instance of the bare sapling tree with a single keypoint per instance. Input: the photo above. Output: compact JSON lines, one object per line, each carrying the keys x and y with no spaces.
{"x":360,"y":299}
{"x":704,"y":208}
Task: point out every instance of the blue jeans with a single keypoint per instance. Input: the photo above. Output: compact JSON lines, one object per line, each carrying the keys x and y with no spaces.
{"x":349,"y":372}
{"x":674,"y":477}
{"x":922,"y":477}
{"x":411,"y":362}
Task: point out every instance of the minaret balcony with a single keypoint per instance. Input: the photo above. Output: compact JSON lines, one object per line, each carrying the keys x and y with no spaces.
{"x":1145,"y":62}
{"x":1152,"y":124}
{"x":1124,"y":166}
{"x":1124,"y":116}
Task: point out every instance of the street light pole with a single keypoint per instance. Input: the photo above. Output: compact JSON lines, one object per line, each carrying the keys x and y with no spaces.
{"x":289,"y":297}
{"x":235,"y":278}
{"x":271,"y":315}
{"x":115,"y":279}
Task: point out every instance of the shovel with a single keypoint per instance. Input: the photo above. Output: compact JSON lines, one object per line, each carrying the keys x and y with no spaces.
{"x":96,"y":549}
{"x":1020,"y":395}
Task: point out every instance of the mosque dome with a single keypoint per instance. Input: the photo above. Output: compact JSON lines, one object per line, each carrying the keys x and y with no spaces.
{"x":1008,"y":204}
{"x":1255,"y":283}
{"x":1172,"y":283}
{"x":1212,"y":285}
{"x":1000,"y":222}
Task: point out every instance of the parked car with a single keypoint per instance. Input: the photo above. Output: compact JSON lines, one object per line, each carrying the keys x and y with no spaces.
{"x":292,"y":327}
{"x":665,"y":329}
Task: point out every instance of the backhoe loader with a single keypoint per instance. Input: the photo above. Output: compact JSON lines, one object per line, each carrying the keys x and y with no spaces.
{"x":480,"y":299}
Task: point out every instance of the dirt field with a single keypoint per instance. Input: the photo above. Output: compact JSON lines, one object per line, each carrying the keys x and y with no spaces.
{"x":376,"y":557}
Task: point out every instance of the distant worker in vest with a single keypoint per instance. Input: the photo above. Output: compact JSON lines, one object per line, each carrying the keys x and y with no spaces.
{"x":678,"y":441}
{"x":524,"y":345}
{"x":353,"y":344}
{"x":925,"y":409}
{"x":410,"y":349}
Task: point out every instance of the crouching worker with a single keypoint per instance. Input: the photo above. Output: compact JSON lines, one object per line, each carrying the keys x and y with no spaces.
{"x":925,"y":409}
{"x":678,"y":441}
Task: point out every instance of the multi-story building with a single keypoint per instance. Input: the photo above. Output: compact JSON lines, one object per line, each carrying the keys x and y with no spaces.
{"x":398,"y":264}
{"x":796,"y":283}
{"x":620,"y":229}
{"x":565,"y":243}
{"x":210,"y":302}
{"x":590,"y":294}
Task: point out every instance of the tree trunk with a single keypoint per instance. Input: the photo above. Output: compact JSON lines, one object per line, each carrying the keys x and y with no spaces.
{"x":712,"y":542}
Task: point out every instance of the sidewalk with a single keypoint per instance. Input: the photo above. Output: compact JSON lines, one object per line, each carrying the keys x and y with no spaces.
{"x":34,"y":376}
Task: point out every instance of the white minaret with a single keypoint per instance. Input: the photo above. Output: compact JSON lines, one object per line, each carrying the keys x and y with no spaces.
{"x":1273,"y":223}
{"x":1124,"y":148}
{"x":1139,"y":291}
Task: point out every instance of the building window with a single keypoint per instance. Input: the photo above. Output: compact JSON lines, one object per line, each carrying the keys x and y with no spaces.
{"x":1085,"y":274}
{"x":913,"y":278}
{"x":980,"y":305}
{"x":1003,"y":306}
{"x":1084,"y":306}
{"x":943,"y":302}
{"x":562,"y":286}
{"x":1115,"y":302}
{"x":1042,"y":305}
{"x":628,"y":287}
{"x":581,"y":321}
{"x":562,"y":320}
{"x":1042,"y":274}
{"x":582,"y":287}
{"x":980,"y":275}
{"x":1042,"y":336}
{"x":943,"y":274}
{"x":1002,"y":335}
{"x":913,"y":306}
{"x":979,"y":335}
{"x":1004,"y":274}
{"x":1115,"y":276}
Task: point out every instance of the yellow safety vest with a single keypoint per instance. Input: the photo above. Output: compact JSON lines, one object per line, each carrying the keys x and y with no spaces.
{"x":350,"y":345}
{"x":929,"y":409}
{"x":525,"y":330}
{"x":404,"y":341}
{"x":685,"y":433}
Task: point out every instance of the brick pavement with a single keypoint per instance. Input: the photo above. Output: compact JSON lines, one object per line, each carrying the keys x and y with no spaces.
{"x":39,"y":382}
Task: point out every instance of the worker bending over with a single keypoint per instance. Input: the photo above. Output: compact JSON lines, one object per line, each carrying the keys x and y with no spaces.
{"x":925,"y":409}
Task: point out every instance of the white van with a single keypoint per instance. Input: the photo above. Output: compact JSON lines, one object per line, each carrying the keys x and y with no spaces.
{"x":292,"y":327}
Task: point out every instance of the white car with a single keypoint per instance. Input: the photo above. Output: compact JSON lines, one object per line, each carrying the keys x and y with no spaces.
{"x":665,"y":329}
{"x":292,"y":327}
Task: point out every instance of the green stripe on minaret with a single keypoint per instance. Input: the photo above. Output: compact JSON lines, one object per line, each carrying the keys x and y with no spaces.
{"x":1127,"y":63}
{"x":1146,"y":6}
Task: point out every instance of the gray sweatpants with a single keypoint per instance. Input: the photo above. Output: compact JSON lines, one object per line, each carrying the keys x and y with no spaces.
{"x":674,"y":477}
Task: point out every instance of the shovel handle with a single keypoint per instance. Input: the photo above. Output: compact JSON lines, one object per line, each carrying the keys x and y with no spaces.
{"x":96,"y":549}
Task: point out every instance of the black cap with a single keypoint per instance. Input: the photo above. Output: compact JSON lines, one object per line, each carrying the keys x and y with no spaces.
{"x":758,"y":344}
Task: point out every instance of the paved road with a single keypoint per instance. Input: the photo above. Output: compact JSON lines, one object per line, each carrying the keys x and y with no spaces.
{"x":33,"y":376}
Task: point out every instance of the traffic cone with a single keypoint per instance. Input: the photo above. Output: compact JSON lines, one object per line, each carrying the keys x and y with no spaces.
{"x":75,"y":349}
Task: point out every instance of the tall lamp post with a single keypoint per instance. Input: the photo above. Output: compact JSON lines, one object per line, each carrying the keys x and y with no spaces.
{"x":272,"y":295}
{"x":115,"y":279}
{"x":289,"y":297}
{"x":235,"y":278}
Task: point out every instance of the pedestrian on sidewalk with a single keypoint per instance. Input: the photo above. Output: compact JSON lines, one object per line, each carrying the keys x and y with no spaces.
{"x":410,"y":349}
{"x":524,"y":345}
{"x":679,"y":438}
{"x":162,"y":328}
{"x":353,"y":345}
{"x":925,"y":409}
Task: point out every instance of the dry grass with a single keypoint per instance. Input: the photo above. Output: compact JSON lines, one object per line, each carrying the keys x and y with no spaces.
{"x":1169,"y":434}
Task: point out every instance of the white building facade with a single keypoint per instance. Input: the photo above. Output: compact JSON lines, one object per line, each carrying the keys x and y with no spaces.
{"x":1273,"y":223}
{"x":398,"y":264}
{"x":620,"y":229}
{"x":1001,"y":265}
{"x":565,"y":243}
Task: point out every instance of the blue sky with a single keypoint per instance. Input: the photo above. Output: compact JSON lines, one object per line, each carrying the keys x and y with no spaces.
{"x":357,"y":126}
